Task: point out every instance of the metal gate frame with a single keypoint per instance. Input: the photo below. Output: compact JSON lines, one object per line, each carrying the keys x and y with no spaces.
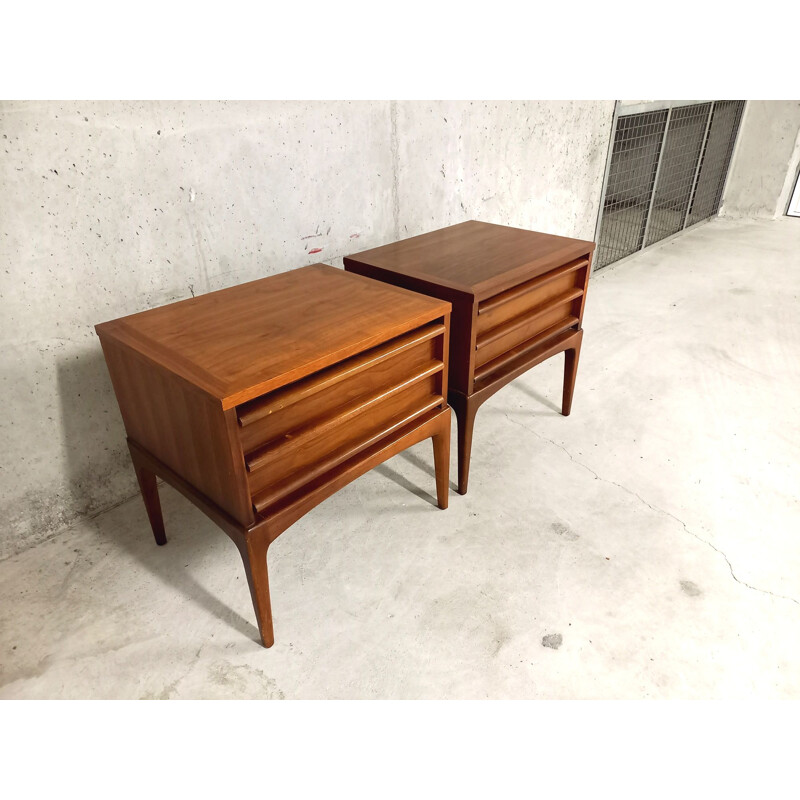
{"x":661,"y":105}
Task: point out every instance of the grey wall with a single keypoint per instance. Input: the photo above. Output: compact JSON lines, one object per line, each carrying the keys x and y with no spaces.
{"x":535,"y":165}
{"x":766,"y":160}
{"x":110,"y":208}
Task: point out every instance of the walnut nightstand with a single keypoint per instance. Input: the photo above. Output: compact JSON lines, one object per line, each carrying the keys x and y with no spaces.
{"x":259,"y":401}
{"x":517,"y":297}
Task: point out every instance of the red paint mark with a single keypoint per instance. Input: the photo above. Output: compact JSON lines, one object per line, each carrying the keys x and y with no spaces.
{"x":354,"y":235}
{"x":315,"y":250}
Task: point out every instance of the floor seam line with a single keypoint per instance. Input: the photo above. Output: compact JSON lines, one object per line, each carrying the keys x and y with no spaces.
{"x":658,"y":510}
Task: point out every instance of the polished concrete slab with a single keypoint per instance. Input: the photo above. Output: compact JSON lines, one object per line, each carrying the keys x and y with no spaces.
{"x":645,"y":547}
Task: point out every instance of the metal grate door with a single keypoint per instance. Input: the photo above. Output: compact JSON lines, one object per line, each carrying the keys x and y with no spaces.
{"x":666,"y":171}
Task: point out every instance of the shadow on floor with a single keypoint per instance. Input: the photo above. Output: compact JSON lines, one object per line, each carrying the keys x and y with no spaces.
{"x":428,"y":467}
{"x":385,"y":470}
{"x":190,"y":537}
{"x":424,"y":466}
{"x":99,"y":471}
{"x":540,"y":398}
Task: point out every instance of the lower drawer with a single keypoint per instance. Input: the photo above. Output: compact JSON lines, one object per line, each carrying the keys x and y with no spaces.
{"x":529,"y":325}
{"x":288,"y":462}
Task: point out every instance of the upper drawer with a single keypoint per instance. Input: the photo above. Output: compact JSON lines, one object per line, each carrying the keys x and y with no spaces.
{"x":291,"y":407}
{"x":552,"y":287}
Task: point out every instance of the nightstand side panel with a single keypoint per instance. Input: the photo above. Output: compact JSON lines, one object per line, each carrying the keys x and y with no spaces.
{"x":182,"y":426}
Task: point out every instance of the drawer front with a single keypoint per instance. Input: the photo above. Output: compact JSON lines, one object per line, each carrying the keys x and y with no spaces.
{"x":289,"y":436}
{"x":524,"y":328}
{"x":550,"y":302}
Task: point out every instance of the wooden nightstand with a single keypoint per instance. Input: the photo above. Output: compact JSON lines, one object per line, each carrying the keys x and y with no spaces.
{"x":517,"y":296}
{"x":259,"y":401}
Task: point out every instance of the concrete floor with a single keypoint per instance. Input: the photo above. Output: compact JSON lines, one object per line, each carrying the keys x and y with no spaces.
{"x":646,"y":547}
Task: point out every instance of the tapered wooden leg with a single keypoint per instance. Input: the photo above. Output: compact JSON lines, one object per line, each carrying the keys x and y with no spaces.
{"x":570,"y":373}
{"x":149,"y":489}
{"x":465,"y":414}
{"x":465,"y":425}
{"x":441,"y":461}
{"x":254,"y":556}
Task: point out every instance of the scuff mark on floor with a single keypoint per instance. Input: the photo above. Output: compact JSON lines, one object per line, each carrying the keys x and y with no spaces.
{"x":691,"y":588}
{"x":552,"y":640}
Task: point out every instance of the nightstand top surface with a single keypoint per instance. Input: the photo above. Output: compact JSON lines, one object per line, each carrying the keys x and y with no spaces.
{"x":240,"y":342}
{"x":475,"y":257}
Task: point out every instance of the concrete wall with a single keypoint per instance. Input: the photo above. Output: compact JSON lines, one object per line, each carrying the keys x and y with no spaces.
{"x":108,"y":208}
{"x":535,"y":165}
{"x":766,"y":160}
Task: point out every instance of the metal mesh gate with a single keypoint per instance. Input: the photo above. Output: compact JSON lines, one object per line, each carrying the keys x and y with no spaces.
{"x":666,"y":172}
